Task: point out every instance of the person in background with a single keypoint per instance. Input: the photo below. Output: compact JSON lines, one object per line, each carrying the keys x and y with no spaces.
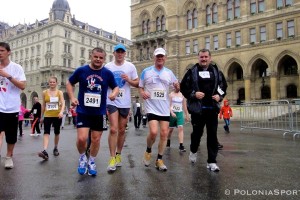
{"x":12,"y":81}
{"x":179,"y":114}
{"x":23,"y":110}
{"x":63,"y":121}
{"x":154,"y":86}
{"x":226,"y":113}
{"x":74,"y":115}
{"x":52,"y":111}
{"x":36,"y":110}
{"x":137,"y":113}
{"x":204,"y":86}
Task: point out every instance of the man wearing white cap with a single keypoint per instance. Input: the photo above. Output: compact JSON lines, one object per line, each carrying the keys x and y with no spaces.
{"x":154,"y":87}
{"x":125,"y":75}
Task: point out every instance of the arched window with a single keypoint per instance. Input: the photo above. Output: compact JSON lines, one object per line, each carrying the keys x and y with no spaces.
{"x":189,"y":20}
{"x":229,"y":10}
{"x":241,"y":94}
{"x":208,"y":15}
{"x":144,"y":27}
{"x":148,"y":26}
{"x":214,"y":14}
{"x":195,"y":18}
{"x":163,"y":23}
{"x":158,"y":24}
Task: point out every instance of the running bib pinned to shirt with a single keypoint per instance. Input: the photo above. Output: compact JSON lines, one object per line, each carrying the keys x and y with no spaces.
{"x":204,"y":74}
{"x":51,"y":106}
{"x":92,"y":100}
{"x":159,"y":94}
{"x":177,"y":107}
{"x":121,"y":93}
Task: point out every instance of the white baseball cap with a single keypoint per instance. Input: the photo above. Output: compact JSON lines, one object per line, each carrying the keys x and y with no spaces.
{"x":159,"y":51}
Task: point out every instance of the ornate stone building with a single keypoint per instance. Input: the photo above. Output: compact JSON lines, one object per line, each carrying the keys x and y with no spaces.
{"x":55,"y":46}
{"x":254,"y":42}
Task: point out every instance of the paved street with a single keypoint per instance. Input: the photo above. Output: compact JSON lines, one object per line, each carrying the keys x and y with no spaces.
{"x":258,"y":165}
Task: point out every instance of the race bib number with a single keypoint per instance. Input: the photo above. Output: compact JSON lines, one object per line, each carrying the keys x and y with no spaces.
{"x":53,"y":99}
{"x":51,"y":106}
{"x":121,"y":94}
{"x":34,"y":111}
{"x":204,"y":74}
{"x":158,"y":94}
{"x":220,"y":91}
{"x":177,"y":107}
{"x":92,"y":100}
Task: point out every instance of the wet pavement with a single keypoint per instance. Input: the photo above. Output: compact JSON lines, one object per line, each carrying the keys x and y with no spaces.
{"x":258,"y":165}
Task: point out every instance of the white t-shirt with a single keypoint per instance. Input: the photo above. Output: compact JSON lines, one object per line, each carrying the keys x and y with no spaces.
{"x":123,"y":99}
{"x":157,"y":83}
{"x":9,"y":94}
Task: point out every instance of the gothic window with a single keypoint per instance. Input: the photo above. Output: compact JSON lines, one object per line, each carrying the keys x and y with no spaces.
{"x":208,"y":15}
{"x":214,"y":14}
{"x":189,"y":20}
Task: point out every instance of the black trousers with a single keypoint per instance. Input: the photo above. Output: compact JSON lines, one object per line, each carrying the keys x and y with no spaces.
{"x":208,"y":118}
{"x":137,"y":120}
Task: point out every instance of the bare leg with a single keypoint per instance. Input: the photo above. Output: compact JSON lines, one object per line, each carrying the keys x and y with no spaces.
{"x":180,"y":134}
{"x":113,"y":133}
{"x":121,"y":136}
{"x":95,"y":143}
{"x":164,"y":131}
{"x":46,"y":141}
{"x":82,"y":135}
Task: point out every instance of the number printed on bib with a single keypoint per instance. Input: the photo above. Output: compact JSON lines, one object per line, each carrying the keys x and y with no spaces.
{"x":121,"y":94}
{"x":177,"y":107}
{"x":92,"y":100}
{"x":51,"y":106}
{"x":158,"y":94}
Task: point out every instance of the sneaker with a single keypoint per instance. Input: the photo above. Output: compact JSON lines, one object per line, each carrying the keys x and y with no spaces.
{"x":9,"y":164}
{"x":159,"y":164}
{"x":168,"y":143}
{"x":118,"y":160}
{"x":182,"y":149}
{"x":213,"y":167}
{"x":112,"y":165}
{"x":55,"y":152}
{"x":82,"y":166}
{"x":147,"y":159}
{"x":193,"y":157}
{"x":44,"y":155}
{"x":92,"y":171}
{"x":38,"y":134}
{"x":32,"y":134}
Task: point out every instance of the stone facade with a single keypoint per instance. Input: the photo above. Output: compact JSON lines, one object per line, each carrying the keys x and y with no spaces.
{"x":255,"y":43}
{"x":55,"y":46}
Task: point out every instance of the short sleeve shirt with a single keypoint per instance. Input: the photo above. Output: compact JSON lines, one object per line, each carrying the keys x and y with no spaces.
{"x":157,"y":83}
{"x":123,"y":99}
{"x":93,"y":86}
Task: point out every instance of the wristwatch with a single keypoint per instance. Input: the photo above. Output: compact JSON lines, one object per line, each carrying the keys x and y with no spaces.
{"x":9,"y":78}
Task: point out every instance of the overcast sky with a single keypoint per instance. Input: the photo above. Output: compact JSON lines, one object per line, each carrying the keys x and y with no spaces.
{"x":110,"y":15}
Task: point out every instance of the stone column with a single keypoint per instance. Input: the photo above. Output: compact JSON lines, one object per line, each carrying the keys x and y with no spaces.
{"x":273,"y":83}
{"x":247,"y":82}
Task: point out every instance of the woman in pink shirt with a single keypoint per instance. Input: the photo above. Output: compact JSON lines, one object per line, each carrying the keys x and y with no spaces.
{"x":22,"y":111}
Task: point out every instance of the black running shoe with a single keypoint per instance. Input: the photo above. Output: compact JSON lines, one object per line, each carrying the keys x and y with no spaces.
{"x":182,"y":149}
{"x":55,"y":152}
{"x":220,"y":146}
{"x":44,"y":155}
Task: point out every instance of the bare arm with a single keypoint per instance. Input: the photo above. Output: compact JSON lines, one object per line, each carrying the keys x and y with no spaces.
{"x":70,"y":91}
{"x":19,"y":84}
{"x":62,"y":103}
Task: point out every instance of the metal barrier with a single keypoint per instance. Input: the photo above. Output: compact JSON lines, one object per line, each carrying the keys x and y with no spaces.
{"x":281,"y":115}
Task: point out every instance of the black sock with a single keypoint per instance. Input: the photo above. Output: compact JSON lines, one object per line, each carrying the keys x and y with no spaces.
{"x":181,"y":144}
{"x":148,"y":150}
{"x":118,"y":153}
{"x":159,"y":157}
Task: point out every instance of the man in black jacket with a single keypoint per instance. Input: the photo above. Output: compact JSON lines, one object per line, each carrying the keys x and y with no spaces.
{"x":204,"y":86}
